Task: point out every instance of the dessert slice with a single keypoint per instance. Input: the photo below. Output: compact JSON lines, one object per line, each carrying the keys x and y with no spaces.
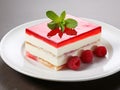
{"x":54,"y":51}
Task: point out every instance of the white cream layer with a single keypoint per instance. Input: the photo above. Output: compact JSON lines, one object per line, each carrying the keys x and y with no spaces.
{"x":57,"y":61}
{"x":60,"y":51}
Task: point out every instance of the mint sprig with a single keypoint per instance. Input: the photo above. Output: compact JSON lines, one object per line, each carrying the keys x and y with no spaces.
{"x":60,"y":21}
{"x":71,"y":23}
{"x":53,"y":16}
{"x":52,"y":25}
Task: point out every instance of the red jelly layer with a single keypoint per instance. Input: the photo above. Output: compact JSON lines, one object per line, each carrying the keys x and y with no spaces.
{"x":31,"y":56}
{"x":68,"y":41}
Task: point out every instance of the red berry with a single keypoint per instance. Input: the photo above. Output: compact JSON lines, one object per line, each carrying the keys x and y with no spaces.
{"x":86,"y":56}
{"x":73,"y":62}
{"x":53,"y":32}
{"x":69,"y":31}
{"x":100,"y":51}
{"x":60,"y":33}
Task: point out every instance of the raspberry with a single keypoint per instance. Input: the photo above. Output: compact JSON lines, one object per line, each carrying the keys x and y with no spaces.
{"x":100,"y":51}
{"x":73,"y":62}
{"x":86,"y":56}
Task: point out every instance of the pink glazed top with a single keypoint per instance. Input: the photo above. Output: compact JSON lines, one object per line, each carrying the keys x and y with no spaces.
{"x":84,"y":29}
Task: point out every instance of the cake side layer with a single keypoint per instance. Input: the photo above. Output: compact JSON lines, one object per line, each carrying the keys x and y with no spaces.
{"x":44,"y":62}
{"x":60,"y":51}
{"x":55,"y":60}
{"x":67,"y":41}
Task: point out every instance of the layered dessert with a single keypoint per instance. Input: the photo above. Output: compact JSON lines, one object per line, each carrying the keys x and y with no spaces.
{"x":53,"y":48}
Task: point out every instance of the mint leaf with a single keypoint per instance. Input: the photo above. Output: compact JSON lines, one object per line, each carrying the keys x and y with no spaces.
{"x":62,"y":16}
{"x":62,"y":26}
{"x":70,"y":23}
{"x":52,"y":25}
{"x":53,"y":16}
{"x":59,"y":25}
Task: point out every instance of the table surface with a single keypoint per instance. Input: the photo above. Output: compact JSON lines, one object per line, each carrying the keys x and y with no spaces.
{"x":16,"y":12}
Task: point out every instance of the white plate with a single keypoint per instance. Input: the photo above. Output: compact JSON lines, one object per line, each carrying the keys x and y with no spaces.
{"x":12,"y":45}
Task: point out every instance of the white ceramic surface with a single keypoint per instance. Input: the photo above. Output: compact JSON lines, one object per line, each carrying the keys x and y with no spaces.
{"x":12,"y":48}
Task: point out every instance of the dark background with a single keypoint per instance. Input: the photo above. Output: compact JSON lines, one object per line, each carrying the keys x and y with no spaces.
{"x":16,"y":12}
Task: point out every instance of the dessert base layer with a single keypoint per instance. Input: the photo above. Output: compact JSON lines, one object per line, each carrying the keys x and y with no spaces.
{"x":56,"y":60}
{"x":44,"y":62}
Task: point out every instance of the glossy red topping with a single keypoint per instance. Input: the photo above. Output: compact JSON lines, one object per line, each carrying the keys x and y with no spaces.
{"x":67,"y":41}
{"x":53,"y":32}
{"x":67,"y":31}
{"x":84,"y":29}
